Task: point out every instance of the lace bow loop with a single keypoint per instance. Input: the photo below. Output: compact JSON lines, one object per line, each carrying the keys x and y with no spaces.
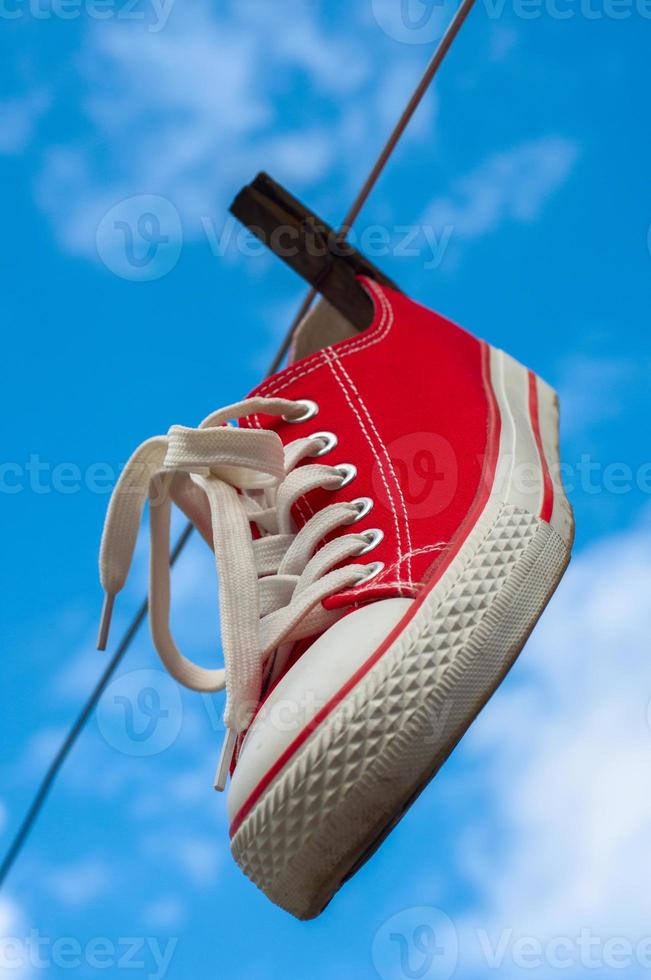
{"x":271,"y":589}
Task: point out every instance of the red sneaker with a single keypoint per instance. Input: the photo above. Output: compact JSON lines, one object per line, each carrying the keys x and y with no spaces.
{"x":408,"y":534}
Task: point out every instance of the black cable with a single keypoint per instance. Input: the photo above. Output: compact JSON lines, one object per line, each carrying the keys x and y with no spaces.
{"x":48,"y":780}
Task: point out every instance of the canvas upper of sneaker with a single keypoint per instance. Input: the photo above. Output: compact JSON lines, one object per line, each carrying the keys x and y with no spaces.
{"x":410,"y":407}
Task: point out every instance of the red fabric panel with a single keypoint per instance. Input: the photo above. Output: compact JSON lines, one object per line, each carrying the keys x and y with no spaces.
{"x":409,"y":404}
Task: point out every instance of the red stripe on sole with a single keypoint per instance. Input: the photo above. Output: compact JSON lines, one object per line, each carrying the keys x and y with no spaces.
{"x":548,"y":487}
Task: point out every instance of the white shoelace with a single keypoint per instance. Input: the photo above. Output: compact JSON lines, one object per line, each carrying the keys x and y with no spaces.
{"x":271,"y":589}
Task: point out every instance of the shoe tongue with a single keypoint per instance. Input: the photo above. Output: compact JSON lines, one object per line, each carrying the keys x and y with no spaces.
{"x":321,"y":327}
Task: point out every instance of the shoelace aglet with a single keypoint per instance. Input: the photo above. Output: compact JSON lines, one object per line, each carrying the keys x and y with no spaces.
{"x":105,"y":621}
{"x":225,"y":759}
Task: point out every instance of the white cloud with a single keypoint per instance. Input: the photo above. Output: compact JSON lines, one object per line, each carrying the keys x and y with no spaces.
{"x":502,"y":40}
{"x":565,"y":762}
{"x":192,"y":112}
{"x":513,"y":185}
{"x":10,"y":916}
{"x":79,"y":883}
{"x":198,"y":857}
{"x":201,"y":859}
{"x":40,"y":750}
{"x":14,"y":956}
{"x":18,"y":119}
{"x":164,"y":913}
{"x":594,"y":389}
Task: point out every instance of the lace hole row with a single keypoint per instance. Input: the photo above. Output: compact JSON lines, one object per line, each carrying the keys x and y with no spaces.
{"x":328,"y":439}
{"x":363,"y":506}
{"x":348,"y":473}
{"x":373,"y":538}
{"x":310,"y":409}
{"x":373,"y":571}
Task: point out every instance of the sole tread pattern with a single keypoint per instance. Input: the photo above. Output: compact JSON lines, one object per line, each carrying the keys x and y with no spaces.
{"x":359,"y":768}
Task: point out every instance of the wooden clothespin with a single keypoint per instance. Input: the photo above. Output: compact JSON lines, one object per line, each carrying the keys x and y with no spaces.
{"x":311,"y":247}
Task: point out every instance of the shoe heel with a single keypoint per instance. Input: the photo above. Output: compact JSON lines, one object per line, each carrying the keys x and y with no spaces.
{"x":562,"y":517}
{"x":529,"y":468}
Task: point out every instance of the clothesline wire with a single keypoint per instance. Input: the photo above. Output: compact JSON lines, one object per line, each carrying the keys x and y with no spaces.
{"x":57,"y":763}
{"x":387,"y":152}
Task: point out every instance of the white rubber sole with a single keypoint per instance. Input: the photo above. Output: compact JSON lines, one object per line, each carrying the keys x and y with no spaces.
{"x":358,"y":771}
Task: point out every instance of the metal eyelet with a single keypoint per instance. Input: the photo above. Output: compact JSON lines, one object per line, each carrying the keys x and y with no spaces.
{"x":348,"y":474}
{"x":328,"y":438}
{"x":364,"y":506}
{"x":311,"y":409}
{"x":373,"y":571}
{"x":374,"y":537}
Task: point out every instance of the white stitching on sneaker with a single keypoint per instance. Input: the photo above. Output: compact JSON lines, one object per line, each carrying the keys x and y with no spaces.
{"x":396,"y":583}
{"x":412,"y":587}
{"x":353,"y":346}
{"x":326,"y":355}
{"x":315,"y":363}
{"x":385,"y":452}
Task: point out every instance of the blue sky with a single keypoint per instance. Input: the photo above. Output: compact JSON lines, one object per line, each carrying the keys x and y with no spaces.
{"x":528,"y":169}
